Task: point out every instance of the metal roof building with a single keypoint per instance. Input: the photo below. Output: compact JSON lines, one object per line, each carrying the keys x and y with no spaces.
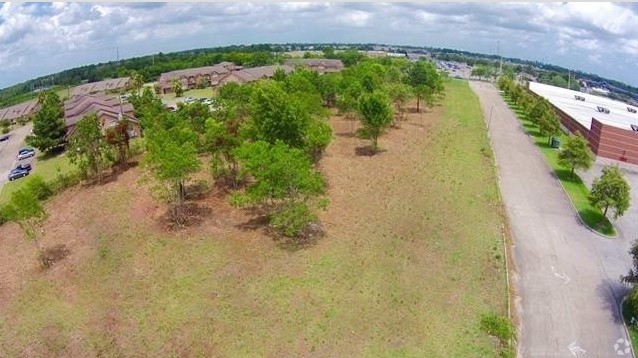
{"x":610,"y":126}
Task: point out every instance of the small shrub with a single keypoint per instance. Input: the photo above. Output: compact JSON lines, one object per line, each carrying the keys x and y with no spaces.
{"x":499,"y":327}
{"x":198,"y":189}
{"x":292,"y":219}
{"x":137,"y":147}
{"x":5,"y":130}
{"x":41,"y":188}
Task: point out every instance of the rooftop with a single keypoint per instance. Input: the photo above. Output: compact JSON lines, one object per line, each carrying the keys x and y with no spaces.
{"x":584,"y":111}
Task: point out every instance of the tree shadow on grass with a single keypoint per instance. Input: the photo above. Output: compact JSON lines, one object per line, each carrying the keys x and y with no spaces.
{"x":367,"y":151}
{"x":610,"y":292}
{"x":596,"y":220}
{"x":567,"y":175}
{"x":52,"y":255}
{"x":192,"y":214}
{"x":259,"y":221}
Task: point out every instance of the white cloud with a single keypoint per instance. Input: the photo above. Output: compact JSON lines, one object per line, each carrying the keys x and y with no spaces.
{"x":41,"y":38}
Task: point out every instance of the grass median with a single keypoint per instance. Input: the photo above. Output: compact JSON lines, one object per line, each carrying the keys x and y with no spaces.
{"x":573,"y":185}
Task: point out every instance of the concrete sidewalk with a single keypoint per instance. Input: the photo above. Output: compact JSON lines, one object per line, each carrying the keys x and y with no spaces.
{"x":566,"y":277}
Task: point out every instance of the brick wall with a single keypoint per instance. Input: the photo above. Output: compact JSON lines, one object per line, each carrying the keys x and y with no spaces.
{"x":614,"y":143}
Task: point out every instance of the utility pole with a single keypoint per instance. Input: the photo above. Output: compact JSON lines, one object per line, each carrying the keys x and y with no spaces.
{"x":117,"y":53}
{"x":500,"y":66}
{"x":569,"y":78}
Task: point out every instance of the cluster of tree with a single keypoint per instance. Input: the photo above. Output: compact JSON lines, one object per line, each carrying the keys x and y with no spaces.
{"x":263,"y":140}
{"x":538,"y":109}
{"x":368,"y":90}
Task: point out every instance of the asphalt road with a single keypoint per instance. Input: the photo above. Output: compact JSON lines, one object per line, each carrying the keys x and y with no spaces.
{"x":9,"y":151}
{"x":566,"y":278}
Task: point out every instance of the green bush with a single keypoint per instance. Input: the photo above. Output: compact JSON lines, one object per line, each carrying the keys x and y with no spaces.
{"x":137,"y":146}
{"x":499,"y":327}
{"x":5,"y":130}
{"x":40,"y":188}
{"x":632,"y":303}
{"x":3,"y":215}
{"x":63,"y":181}
{"x":291,"y":219}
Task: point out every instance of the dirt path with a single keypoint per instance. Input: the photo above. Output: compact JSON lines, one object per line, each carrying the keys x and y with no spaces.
{"x":567,"y":277}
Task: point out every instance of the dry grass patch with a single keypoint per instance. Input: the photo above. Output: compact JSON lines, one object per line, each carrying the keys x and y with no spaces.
{"x":410,"y":260}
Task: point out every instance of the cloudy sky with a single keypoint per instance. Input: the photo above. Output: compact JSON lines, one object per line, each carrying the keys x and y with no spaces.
{"x":42,"y":38}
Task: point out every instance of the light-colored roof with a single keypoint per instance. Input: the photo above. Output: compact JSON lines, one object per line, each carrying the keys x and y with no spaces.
{"x":583,"y":111}
{"x":220,"y":68}
{"x":79,"y":106}
{"x":18,"y":110}
{"x":101,"y":86}
{"x":315,"y":62}
{"x":257,"y":73}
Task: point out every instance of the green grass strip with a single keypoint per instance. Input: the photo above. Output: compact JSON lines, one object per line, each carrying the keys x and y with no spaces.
{"x":573,"y":185}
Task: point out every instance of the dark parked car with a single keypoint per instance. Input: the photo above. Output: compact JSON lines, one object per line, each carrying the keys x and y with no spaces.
{"x":4,"y":137}
{"x":24,"y":166}
{"x":26,"y":153}
{"x":18,"y":173}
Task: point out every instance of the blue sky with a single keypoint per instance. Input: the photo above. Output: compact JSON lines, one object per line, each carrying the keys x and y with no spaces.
{"x":43,"y":38}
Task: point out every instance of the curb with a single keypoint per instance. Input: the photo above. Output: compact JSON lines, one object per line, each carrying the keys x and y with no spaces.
{"x":578,"y":215}
{"x":624,"y":325}
{"x":563,"y":188}
{"x":506,"y":247}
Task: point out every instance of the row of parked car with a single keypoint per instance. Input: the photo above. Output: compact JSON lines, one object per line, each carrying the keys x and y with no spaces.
{"x":22,"y":169}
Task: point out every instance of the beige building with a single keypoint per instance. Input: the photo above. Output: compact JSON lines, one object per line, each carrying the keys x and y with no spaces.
{"x":321,"y":65}
{"x":191,"y":78}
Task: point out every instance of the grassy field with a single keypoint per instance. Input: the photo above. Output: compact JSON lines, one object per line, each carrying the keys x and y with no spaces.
{"x":574,"y":186}
{"x":412,"y":258}
{"x":46,"y":167}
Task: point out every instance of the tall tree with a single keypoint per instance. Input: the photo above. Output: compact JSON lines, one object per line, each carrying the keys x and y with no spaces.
{"x":177,"y":87}
{"x":48,"y":123}
{"x":400,"y":94}
{"x":375,"y":115}
{"x":137,"y":82}
{"x":172,"y":158}
{"x":284,"y":183}
{"x":575,"y":153}
{"x":549,"y":124}
{"x":611,"y":190}
{"x":277,"y":115}
{"x":88,"y":148}
{"x":424,"y":79}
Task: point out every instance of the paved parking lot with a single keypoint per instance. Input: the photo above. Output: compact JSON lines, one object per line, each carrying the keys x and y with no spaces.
{"x":9,"y":151}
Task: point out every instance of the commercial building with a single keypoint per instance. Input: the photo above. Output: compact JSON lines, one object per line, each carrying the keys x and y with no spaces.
{"x":610,"y":127}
